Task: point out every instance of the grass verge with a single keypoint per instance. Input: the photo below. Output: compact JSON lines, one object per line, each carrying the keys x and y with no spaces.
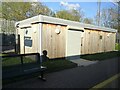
{"x":101,"y":56}
{"x":15,"y":61}
{"x":52,"y":66}
{"x":57,"y":65}
{"x":117,"y":46}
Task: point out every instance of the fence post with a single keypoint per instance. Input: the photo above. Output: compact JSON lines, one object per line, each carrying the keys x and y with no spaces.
{"x":22,"y":60}
{"x":22,"y":68}
{"x":38,"y":59}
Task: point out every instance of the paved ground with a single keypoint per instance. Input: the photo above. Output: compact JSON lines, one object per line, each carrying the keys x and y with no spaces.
{"x":114,"y":84}
{"x":83,"y":62}
{"x":8,"y":48}
{"x":7,"y":51}
{"x":80,"y":77}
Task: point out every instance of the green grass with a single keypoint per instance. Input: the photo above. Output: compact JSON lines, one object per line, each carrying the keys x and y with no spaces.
{"x":117,"y":46}
{"x":15,"y":61}
{"x":101,"y":56}
{"x":57,"y":65}
{"x":52,"y":66}
{"x":2,"y":54}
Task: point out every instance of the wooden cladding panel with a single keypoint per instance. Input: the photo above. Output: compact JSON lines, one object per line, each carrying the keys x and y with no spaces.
{"x":52,"y":42}
{"x":94,"y":41}
{"x":89,"y":42}
{"x":114,"y":41}
{"x":101,"y":41}
{"x":109,"y":41}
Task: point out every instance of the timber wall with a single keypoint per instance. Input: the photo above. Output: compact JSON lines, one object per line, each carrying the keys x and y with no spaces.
{"x":94,"y":41}
{"x":52,"y":42}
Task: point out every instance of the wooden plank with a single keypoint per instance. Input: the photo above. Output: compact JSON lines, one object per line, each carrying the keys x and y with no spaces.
{"x":96,"y":42}
{"x":86,"y":42}
{"x":52,"y":42}
{"x":82,"y":44}
{"x":102,"y":33}
{"x":100,"y":41}
{"x":93,"y":41}
{"x":90,"y":41}
{"x":55,"y":43}
{"x":44,"y":29}
{"x":106,"y":42}
{"x":49,"y":40}
{"x":105,"y":37}
{"x":114,"y":40}
{"x":93,"y":44}
{"x":61,"y":42}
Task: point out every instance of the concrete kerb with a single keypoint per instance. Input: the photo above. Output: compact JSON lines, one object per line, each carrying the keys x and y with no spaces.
{"x":83,"y":62}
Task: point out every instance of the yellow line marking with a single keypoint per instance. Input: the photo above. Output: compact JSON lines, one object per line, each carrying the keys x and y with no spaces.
{"x":104,"y":83}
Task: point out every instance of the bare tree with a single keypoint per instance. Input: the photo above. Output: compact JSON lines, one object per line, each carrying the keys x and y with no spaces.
{"x":98,"y":12}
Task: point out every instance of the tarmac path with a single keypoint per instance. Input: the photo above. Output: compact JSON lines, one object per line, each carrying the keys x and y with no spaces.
{"x":79,"y":77}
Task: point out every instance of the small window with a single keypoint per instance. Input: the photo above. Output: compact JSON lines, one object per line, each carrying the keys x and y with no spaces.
{"x":100,"y":36}
{"x":26,"y":32}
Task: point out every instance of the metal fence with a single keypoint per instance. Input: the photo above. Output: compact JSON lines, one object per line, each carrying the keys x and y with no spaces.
{"x":7,"y":26}
{"x":7,"y":32}
{"x":20,"y":64}
{"x":8,"y":41}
